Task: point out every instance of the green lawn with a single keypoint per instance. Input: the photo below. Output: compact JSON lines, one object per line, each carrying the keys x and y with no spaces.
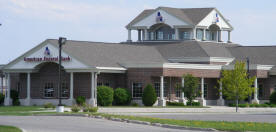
{"x":219,"y":125}
{"x":19,"y":110}
{"x":9,"y":129}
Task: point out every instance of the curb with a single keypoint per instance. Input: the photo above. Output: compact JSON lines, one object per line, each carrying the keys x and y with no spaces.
{"x":154,"y":124}
{"x":23,"y":130}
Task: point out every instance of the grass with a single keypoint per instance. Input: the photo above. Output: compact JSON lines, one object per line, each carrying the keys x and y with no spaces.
{"x":219,"y":125}
{"x":19,"y":110}
{"x":9,"y":129}
{"x":153,"y":107}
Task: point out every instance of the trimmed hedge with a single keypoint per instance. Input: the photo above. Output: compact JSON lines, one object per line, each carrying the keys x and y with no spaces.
{"x":149,"y":97}
{"x":193,"y":103}
{"x":175,"y":104}
{"x":121,"y":96}
{"x":80,"y":100}
{"x":104,"y":95}
{"x":2,"y":98}
{"x":15,"y":98}
{"x":272,"y":98}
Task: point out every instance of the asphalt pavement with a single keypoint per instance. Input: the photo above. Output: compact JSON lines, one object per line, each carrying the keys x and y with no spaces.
{"x":77,"y":124}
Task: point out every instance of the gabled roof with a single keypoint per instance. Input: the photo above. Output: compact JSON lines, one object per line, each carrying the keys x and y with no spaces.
{"x":101,"y":54}
{"x":190,"y":15}
{"x":265,"y":55}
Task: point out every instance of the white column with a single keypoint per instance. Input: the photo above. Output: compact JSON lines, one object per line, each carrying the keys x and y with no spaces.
{"x":161,"y":87}
{"x":129,"y":35}
{"x":71,"y":86}
{"x":202,"y":88}
{"x":202,"y":100}
{"x":95,"y":86}
{"x":176,"y":32}
{"x":256,"y":100}
{"x":8,"y":99}
{"x":220,"y":101}
{"x":28,"y":99}
{"x":161,"y":101}
{"x":219,"y":36}
{"x":194,"y":33}
{"x":204,"y":34}
{"x":146,"y":34}
{"x":229,"y":37}
{"x":182,"y":99}
{"x":92,"y":100}
{"x":139,"y":35}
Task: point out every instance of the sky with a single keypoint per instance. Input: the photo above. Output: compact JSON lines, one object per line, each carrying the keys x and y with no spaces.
{"x":27,"y":23}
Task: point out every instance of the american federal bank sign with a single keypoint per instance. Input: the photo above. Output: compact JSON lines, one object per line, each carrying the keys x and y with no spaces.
{"x":47,"y":57}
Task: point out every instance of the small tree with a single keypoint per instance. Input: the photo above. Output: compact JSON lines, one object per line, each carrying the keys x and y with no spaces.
{"x":236,"y":83}
{"x":121,"y":96}
{"x":149,"y":96}
{"x":191,"y":87}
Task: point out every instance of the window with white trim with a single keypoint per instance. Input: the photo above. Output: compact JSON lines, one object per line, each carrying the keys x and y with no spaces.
{"x":260,"y":91}
{"x":64,"y":90}
{"x":137,"y":90}
{"x":103,"y":84}
{"x":157,"y":89}
{"x":205,"y":90}
{"x":49,"y":90}
{"x":186,"y":35}
{"x":160,"y":35}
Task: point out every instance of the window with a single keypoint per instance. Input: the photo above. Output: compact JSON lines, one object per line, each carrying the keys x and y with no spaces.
{"x":186,"y":35}
{"x":159,"y":35}
{"x":205,"y":90}
{"x":199,"y":34}
{"x":49,"y":90}
{"x":151,"y":35}
{"x":157,"y":89}
{"x":137,"y":90}
{"x":18,"y":87}
{"x":178,"y":92}
{"x":208,"y":35}
{"x":64,"y":90}
{"x":260,"y":90}
{"x":103,"y":84}
{"x":275,"y":88}
{"x":173,"y":36}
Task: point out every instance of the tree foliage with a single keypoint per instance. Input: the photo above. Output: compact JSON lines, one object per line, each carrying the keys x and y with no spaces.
{"x":236,"y":84}
{"x":191,"y":87}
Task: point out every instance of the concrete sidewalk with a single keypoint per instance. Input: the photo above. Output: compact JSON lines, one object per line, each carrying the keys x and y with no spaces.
{"x":211,"y":109}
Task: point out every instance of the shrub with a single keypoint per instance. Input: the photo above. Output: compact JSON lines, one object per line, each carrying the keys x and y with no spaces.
{"x":80,"y":100}
{"x":264,"y":105}
{"x":174,"y":104}
{"x":149,"y":97}
{"x":242,"y":105}
{"x":15,"y":98}
{"x":75,"y":108}
{"x":121,"y":96}
{"x":193,"y":103}
{"x":104,"y":95}
{"x":93,"y":109}
{"x":2,"y":98}
{"x":134,"y":104}
{"x":48,"y":105}
{"x":272,"y":98}
{"x":85,"y":109}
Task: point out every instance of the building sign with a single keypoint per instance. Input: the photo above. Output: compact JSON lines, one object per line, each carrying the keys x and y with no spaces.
{"x":159,"y":18}
{"x":47,"y":57}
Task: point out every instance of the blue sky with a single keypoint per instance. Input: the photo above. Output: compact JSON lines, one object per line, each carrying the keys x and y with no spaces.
{"x":26,"y":23}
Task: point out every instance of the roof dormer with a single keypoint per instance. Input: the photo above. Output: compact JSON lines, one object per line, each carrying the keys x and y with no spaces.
{"x":179,"y":24}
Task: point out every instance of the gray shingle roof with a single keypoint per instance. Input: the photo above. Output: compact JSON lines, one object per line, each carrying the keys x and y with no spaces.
{"x":190,"y":15}
{"x":110,"y":54}
{"x":257,"y":54}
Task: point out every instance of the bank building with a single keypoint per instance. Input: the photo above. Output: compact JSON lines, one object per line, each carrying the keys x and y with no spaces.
{"x":171,"y":42}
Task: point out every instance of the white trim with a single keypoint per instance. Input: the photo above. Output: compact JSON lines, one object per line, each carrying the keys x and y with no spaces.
{"x":251,"y":67}
{"x":227,"y":60}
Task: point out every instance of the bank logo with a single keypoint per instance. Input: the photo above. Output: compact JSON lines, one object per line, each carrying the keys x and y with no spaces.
{"x":47,"y":52}
{"x":159,"y":17}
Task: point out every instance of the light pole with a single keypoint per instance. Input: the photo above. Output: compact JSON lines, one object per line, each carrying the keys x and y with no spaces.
{"x":61,"y":41}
